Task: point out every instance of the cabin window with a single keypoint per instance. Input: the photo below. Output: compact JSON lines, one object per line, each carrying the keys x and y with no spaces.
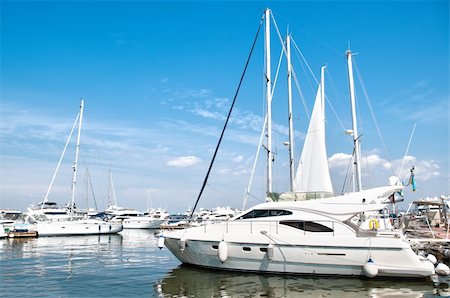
{"x":263,"y":249}
{"x":246,"y":248}
{"x":215,"y":247}
{"x":264,"y":213}
{"x":308,"y":226}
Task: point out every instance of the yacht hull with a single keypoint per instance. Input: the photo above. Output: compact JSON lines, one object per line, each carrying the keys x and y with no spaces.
{"x":294,"y":254}
{"x":141,"y":223}
{"x":77,"y":227}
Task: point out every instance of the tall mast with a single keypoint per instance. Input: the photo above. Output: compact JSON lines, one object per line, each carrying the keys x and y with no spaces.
{"x":269,"y":103}
{"x":357,"y":146}
{"x":291,"y":125}
{"x":75,"y":164}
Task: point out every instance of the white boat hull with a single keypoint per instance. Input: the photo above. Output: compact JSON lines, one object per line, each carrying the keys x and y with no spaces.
{"x":294,"y":253}
{"x":141,"y":223}
{"x":77,"y":227}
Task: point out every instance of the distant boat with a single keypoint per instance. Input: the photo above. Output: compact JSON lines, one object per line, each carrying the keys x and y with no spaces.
{"x":51,"y":220}
{"x":48,"y":211}
{"x":130,"y":218}
{"x":8,"y":218}
{"x":306,"y":233}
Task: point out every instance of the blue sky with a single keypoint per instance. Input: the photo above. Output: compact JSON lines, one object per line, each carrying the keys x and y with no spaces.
{"x":158,"y":78}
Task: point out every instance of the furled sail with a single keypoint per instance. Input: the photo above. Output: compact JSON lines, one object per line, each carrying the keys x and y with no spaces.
{"x":313,"y":175}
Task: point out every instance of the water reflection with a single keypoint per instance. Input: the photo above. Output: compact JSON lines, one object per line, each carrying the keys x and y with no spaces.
{"x":130,"y":264}
{"x":188,"y":281}
{"x":84,"y":265}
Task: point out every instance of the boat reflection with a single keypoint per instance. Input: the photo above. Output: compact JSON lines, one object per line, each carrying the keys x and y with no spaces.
{"x":188,"y":281}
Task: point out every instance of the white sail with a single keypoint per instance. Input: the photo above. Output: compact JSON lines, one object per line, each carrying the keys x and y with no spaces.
{"x":313,"y":175}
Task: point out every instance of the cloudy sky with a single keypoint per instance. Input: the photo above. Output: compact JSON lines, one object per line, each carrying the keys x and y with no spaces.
{"x":158,"y":79}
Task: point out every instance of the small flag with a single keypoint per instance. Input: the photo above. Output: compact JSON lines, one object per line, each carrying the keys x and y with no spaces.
{"x":412,"y":181}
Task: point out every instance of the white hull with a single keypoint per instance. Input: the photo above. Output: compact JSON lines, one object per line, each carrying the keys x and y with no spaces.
{"x":294,"y":252}
{"x":77,"y":227}
{"x":141,"y":223}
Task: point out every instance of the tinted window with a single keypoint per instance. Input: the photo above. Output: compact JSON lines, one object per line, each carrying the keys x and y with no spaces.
{"x":308,"y":226}
{"x":264,"y":213}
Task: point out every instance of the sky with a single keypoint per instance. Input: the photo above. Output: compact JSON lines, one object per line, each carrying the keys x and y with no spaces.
{"x":158,"y":79}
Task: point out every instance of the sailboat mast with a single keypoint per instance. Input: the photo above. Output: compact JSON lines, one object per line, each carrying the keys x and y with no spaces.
{"x":291,"y":125}
{"x":269,"y":103}
{"x":357,"y":146}
{"x":75,"y":164}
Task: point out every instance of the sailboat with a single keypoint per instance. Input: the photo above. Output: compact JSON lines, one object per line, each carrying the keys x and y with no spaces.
{"x":301,"y":235}
{"x":70,"y":224}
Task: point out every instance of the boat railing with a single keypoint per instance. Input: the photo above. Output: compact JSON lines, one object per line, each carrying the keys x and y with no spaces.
{"x":323,"y":227}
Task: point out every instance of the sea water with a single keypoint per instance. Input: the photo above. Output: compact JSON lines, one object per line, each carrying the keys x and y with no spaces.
{"x":130,"y":264}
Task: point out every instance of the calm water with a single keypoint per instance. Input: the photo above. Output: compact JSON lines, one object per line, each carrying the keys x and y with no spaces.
{"x":130,"y":264}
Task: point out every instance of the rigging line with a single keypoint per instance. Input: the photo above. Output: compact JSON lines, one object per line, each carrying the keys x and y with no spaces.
{"x":60,"y":159}
{"x":312,"y":86}
{"x":407,"y":149}
{"x":304,"y":60}
{"x":92,"y":189}
{"x":350,"y":163}
{"x":329,"y":102}
{"x":369,"y":172}
{"x":293,"y":24}
{"x":300,"y":92}
{"x":247,"y":193}
{"x":256,"y":198}
{"x":276,"y":75}
{"x":219,"y":191}
{"x":373,"y":115}
{"x":228,"y":117}
{"x":293,"y":72}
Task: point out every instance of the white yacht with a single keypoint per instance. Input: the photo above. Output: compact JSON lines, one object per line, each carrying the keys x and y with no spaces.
{"x":77,"y":227}
{"x":8,"y":218}
{"x":314,"y":236}
{"x":217,"y":214}
{"x":48,"y":211}
{"x":307,"y":230}
{"x":134,"y":219}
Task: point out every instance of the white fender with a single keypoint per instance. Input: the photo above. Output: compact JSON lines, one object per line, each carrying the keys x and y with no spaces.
{"x":223,"y":251}
{"x":442,"y":269}
{"x":270,"y":251}
{"x":182,"y":243}
{"x":432,"y":259}
{"x":161,"y":241}
{"x":370,"y":269}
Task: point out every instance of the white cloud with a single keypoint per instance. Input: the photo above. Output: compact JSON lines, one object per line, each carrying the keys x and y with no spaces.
{"x":192,"y":93}
{"x":424,"y":170}
{"x":376,"y":170}
{"x":207,"y":114}
{"x":238,"y":158}
{"x":339,"y":160}
{"x":184,"y":161}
